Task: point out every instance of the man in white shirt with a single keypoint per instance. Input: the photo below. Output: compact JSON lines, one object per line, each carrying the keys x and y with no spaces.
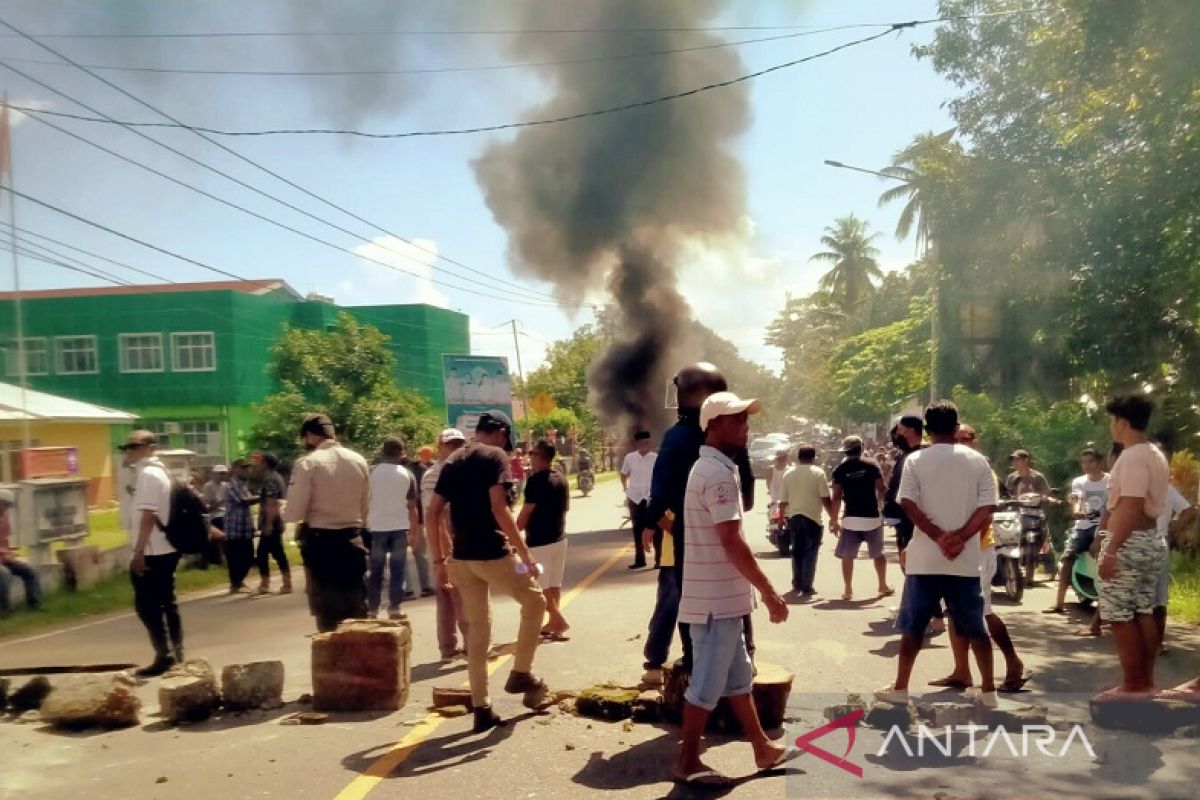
{"x":636,"y":472}
{"x":719,"y":579}
{"x":1089,"y":496}
{"x":949,"y":493}
{"x":152,"y":570}
{"x":391,"y":516}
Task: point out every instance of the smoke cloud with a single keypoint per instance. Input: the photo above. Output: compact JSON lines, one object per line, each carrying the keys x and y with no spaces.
{"x":611,"y":200}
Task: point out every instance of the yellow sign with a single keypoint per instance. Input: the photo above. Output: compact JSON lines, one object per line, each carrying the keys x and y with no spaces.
{"x":543,"y":404}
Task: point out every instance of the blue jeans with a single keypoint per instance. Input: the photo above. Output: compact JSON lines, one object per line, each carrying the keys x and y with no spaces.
{"x":33,"y":588}
{"x":385,"y":546}
{"x":806,"y":544}
{"x":662,"y":621}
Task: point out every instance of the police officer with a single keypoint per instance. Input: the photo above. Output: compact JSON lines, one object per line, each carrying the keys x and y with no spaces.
{"x":328,"y":495}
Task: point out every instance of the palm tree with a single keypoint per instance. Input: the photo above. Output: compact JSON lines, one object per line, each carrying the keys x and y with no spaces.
{"x":855,"y":270}
{"x":917,"y":168}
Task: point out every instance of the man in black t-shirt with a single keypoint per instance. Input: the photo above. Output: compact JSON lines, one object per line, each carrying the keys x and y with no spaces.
{"x":544,"y":520}
{"x":906,"y":436}
{"x":858,"y":482}
{"x":488,"y":554}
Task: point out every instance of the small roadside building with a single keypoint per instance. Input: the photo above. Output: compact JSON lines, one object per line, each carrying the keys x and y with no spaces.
{"x":65,"y":435}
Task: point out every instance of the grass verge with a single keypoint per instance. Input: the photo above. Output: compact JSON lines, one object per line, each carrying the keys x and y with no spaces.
{"x":1184,"y":604}
{"x":112,"y":594}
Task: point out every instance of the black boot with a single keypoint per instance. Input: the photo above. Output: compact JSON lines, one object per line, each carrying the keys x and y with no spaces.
{"x":486,"y":719}
{"x":157,"y":667}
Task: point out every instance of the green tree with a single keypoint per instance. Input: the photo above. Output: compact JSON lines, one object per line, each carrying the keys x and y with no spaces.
{"x":855,"y":269}
{"x":874,"y":373}
{"x":347,"y":374}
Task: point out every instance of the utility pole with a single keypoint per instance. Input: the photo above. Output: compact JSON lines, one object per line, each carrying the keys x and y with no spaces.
{"x":520,"y":369}
{"x":18,"y":317}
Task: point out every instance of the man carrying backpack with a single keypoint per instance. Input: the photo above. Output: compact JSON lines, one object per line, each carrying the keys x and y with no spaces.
{"x":145,"y":511}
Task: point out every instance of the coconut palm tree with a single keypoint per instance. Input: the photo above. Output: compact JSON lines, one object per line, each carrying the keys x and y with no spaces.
{"x":919,"y":168}
{"x":855,"y":271}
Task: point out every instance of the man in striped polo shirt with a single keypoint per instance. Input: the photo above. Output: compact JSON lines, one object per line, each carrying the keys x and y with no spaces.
{"x":719,"y":579}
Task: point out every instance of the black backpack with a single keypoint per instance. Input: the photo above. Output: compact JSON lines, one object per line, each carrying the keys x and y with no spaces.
{"x":187,"y":526}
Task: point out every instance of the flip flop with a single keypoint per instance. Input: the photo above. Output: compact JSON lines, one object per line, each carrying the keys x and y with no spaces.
{"x":1187,"y":695}
{"x":888,"y":592}
{"x":705,"y":777}
{"x":1085,"y":633}
{"x":847,"y":596}
{"x":1011,"y":685}
{"x":948,"y":683}
{"x":557,"y":637}
{"x":790,"y":754}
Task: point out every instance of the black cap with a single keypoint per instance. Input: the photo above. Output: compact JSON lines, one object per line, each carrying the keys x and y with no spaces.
{"x":320,"y":424}
{"x":914,"y":422}
{"x":494,"y":420}
{"x":640,"y":435}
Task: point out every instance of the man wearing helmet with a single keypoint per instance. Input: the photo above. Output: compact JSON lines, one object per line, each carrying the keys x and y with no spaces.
{"x":679,"y":450}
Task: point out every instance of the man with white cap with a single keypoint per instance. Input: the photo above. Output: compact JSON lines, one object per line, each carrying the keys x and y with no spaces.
{"x":719,"y":578}
{"x":213,"y":495}
{"x":450,"y":618}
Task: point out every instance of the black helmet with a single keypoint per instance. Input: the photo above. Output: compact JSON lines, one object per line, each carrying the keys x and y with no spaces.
{"x":695,"y":382}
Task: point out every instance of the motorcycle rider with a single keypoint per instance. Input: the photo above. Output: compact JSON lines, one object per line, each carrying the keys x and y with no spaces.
{"x":1089,"y":496}
{"x":1024,"y":479}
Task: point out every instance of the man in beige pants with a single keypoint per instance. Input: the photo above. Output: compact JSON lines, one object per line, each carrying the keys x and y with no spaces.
{"x":486,"y":553}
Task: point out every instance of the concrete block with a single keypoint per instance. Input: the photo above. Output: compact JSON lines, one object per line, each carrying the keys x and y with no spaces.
{"x":362,"y":666}
{"x":443,"y":697}
{"x":107,"y":701}
{"x":81,"y":566}
{"x":253,"y":685}
{"x":188,"y":692}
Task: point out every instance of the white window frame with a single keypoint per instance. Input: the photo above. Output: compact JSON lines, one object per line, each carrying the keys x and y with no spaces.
{"x":14,"y":353}
{"x":60,"y":366}
{"x":175,"y":351}
{"x":214,"y":433}
{"x":124,"y":362}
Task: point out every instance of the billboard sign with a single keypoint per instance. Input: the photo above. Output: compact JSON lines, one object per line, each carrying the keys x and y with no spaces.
{"x":475,"y":384}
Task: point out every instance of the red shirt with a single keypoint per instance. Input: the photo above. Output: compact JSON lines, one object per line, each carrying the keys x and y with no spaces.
{"x":517,"y":467}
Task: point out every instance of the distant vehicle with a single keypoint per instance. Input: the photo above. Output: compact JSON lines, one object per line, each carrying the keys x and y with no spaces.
{"x":762,"y":453}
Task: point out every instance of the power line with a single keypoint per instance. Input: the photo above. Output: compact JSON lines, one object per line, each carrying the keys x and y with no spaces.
{"x":442,"y":32}
{"x":260,"y":167}
{"x":8,"y":246}
{"x":256,"y":215}
{"x":43,"y":250}
{"x":69,"y":246}
{"x":443,"y":70}
{"x":202,"y":130}
{"x":198,"y":129}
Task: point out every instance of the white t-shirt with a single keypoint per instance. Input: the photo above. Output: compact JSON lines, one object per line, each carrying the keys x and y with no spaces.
{"x":1095,"y":498}
{"x":1176,"y":505}
{"x":948,"y":482}
{"x":712,"y":585}
{"x":152,"y":492}
{"x":639,"y":469}
{"x":392,"y":486}
{"x":777,"y":477}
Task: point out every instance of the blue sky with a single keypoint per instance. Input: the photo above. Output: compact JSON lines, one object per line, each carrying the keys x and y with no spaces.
{"x":857,"y":106}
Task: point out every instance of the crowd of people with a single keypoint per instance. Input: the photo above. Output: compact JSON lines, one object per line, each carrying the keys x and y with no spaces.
{"x":686,"y":502}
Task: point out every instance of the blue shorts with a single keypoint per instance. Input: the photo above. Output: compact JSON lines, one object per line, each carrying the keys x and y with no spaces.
{"x":720,"y":664}
{"x":850,"y":543}
{"x":962,"y":596}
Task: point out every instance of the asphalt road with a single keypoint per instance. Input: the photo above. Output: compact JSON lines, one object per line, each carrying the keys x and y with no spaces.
{"x":833,"y":647}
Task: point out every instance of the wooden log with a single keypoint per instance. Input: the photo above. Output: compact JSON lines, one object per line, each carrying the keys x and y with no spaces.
{"x":772,"y":687}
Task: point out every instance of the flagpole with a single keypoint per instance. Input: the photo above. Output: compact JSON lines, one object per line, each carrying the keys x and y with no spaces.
{"x":22,"y":376}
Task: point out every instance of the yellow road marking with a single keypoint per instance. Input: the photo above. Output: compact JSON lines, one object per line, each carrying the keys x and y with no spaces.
{"x":387,"y":763}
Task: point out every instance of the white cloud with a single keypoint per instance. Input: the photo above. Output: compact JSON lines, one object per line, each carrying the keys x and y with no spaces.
{"x":735,"y":292}
{"x":405,"y":279}
{"x":499,"y":342}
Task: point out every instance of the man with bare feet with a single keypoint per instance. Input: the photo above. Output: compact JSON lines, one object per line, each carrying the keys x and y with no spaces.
{"x":719,"y":579}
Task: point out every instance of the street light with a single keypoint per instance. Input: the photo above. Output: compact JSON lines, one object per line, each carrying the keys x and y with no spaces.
{"x":934,"y":323}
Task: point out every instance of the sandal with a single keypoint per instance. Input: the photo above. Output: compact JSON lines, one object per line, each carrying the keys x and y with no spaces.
{"x":790,"y":754}
{"x":1011,"y":685}
{"x":705,"y":777}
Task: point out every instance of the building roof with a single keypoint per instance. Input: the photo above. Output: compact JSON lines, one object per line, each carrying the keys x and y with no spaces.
{"x":258,"y":287}
{"x":39,"y":406}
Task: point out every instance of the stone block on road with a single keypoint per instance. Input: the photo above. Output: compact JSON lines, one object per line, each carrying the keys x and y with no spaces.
{"x":188,"y":692}
{"x":106,"y":701}
{"x":444,"y":697}
{"x":613,"y":703}
{"x":30,"y":695}
{"x":255,"y":685}
{"x":940,"y":714}
{"x":884,"y":716}
{"x":772,"y":687}
{"x":362,"y":666}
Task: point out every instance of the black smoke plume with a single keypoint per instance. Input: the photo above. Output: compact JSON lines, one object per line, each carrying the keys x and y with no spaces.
{"x":608,"y":200}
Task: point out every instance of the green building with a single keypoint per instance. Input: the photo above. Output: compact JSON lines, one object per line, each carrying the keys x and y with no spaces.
{"x":191,"y":359}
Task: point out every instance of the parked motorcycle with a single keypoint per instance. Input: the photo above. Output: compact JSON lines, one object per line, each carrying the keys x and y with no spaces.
{"x":1008,"y":535}
{"x":777,"y":530}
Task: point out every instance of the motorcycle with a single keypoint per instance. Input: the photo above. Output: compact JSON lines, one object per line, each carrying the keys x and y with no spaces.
{"x":1007,"y":533}
{"x":587,"y":481}
{"x":1084,"y":574}
{"x":1035,"y":539}
{"x":777,"y":530}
